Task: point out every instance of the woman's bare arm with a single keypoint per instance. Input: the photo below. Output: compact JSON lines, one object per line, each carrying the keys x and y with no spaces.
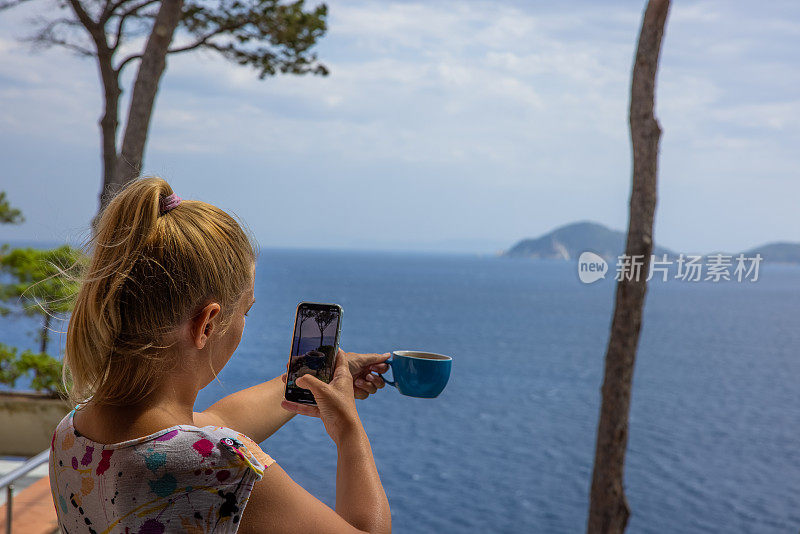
{"x":278,"y":504}
{"x":255,"y":412}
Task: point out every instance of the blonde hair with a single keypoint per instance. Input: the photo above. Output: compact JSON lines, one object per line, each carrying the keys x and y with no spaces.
{"x":148,"y":273}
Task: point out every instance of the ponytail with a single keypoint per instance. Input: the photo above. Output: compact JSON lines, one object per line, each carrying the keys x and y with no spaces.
{"x":149,"y":271}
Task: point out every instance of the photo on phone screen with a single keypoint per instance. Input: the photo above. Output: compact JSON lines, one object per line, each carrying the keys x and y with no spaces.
{"x":314,"y":345}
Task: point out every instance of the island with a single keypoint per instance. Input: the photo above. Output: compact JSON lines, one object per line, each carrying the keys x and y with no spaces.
{"x":569,"y":241}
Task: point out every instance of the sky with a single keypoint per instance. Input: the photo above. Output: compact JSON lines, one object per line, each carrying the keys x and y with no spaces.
{"x":443,"y":126}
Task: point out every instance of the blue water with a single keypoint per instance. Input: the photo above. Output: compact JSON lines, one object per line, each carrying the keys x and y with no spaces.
{"x":508,"y":446}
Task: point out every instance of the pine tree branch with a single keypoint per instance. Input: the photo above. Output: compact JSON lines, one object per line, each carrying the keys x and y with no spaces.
{"x":8,"y":4}
{"x":48,"y":36}
{"x":125,"y":15}
{"x":96,"y":31}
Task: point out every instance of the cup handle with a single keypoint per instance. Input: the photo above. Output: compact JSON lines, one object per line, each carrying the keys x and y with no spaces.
{"x":391,"y":383}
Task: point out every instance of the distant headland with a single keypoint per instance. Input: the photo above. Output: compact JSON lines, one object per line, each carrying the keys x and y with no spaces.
{"x":567,"y":242}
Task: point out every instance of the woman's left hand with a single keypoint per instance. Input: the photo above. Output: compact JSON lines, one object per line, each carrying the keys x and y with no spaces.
{"x":365,"y":369}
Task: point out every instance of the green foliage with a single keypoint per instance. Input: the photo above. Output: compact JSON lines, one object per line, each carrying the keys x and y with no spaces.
{"x":9,"y":372}
{"x":44,"y":370}
{"x":268,"y":35}
{"x":41,"y":283}
{"x":41,"y":286}
{"x":9,"y":215}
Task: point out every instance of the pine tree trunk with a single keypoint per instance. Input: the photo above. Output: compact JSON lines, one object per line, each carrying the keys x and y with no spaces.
{"x":109,"y":123}
{"x":608,"y":508}
{"x":45,"y":333}
{"x":145,"y":88}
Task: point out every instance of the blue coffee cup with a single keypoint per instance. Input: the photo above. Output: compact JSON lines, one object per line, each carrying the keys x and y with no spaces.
{"x":419,"y":374}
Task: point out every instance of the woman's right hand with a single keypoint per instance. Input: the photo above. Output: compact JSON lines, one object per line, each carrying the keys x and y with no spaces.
{"x":336,"y":405}
{"x":278,"y":504}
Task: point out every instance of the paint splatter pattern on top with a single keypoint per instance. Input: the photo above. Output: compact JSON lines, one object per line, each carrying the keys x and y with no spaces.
{"x":180,"y":479}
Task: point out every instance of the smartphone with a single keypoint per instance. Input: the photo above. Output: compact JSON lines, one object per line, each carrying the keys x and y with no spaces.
{"x":314,"y":346}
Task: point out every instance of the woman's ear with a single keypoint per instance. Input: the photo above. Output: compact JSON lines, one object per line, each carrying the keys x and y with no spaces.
{"x":203,"y":325}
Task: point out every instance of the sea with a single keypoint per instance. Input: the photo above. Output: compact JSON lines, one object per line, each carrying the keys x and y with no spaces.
{"x":508,"y":446}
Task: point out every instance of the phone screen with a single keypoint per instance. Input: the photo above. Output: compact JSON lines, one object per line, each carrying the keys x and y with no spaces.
{"x":314,"y":345}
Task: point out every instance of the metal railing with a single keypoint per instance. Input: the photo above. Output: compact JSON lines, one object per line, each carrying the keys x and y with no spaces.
{"x":7,"y":481}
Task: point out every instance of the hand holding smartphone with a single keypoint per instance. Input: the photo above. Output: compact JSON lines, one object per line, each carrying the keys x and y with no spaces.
{"x":315,"y":343}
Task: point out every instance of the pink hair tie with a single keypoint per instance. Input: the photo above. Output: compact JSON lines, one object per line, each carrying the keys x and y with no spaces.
{"x":169,"y":203}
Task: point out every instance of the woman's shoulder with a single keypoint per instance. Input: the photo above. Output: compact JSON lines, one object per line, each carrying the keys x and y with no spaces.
{"x":231,"y":442}
{"x":182,"y":446}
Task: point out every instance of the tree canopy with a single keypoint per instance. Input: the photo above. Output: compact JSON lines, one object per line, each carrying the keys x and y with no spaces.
{"x":9,"y":215}
{"x":40,"y":283}
{"x":39,"y":286}
{"x":271,"y":36}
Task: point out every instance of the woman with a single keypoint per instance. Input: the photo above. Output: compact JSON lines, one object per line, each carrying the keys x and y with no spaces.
{"x":160,"y":311}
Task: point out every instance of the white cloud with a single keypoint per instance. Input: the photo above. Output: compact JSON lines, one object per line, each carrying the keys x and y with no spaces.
{"x":705,"y":12}
{"x":778,"y":116}
{"x":469,"y":79}
{"x":40,"y":98}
